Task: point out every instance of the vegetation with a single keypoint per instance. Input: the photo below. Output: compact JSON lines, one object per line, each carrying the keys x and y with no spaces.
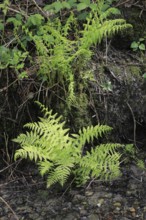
{"x":60,"y":154}
{"x":54,"y":47}
{"x":138,"y":45}
{"x":61,"y":48}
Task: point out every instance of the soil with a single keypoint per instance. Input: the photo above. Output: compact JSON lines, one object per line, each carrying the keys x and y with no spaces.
{"x":27,"y":198}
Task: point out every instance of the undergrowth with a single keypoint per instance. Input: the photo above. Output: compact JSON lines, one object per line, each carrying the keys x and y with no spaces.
{"x":57,"y":45}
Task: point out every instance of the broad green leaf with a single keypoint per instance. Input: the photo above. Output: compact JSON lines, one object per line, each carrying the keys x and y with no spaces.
{"x":72,"y":3}
{"x":15,"y":22}
{"x":19,"y":17}
{"x":58,"y":6}
{"x":23,"y":75}
{"x":82,"y":6}
{"x":134,"y":45}
{"x":93,"y":6}
{"x":35,"y":20}
{"x":142,"y":47}
{"x":141,"y":39}
{"x":66,"y":5}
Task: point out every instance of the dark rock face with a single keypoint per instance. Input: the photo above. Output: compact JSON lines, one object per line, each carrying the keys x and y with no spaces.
{"x":119,"y":95}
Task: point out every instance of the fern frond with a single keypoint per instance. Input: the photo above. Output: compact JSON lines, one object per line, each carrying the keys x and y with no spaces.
{"x":45,"y":166}
{"x":89,"y":133}
{"x":98,"y":27}
{"x":110,"y":11}
{"x":30,"y":152}
{"x":59,"y":174}
{"x":102,"y":163}
{"x":58,"y":155}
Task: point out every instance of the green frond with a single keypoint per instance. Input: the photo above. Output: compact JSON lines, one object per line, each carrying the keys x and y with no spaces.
{"x":110,"y":11}
{"x":68,"y":25}
{"x":59,"y":154}
{"x":45,"y":166}
{"x":30,"y":152}
{"x":102,"y":163}
{"x":98,"y":27}
{"x":59,"y":175}
{"x":89,"y":133}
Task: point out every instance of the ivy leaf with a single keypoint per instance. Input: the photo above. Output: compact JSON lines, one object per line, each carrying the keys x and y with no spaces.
{"x":35,"y":20}
{"x":82,"y":6}
{"x":58,"y":6}
{"x":141,"y":39}
{"x":134,"y":45}
{"x":15,"y":21}
{"x":93,"y":6}
{"x":23,"y":75}
{"x":66,"y":5}
{"x":142,"y":47}
{"x":72,"y":3}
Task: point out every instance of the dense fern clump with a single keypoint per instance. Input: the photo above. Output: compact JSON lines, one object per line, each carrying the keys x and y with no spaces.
{"x":59,"y":154}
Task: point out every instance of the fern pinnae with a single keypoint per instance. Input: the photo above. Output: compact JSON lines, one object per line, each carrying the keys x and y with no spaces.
{"x":59,"y":154}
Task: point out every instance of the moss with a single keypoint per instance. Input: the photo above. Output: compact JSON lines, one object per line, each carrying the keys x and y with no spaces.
{"x":82,"y":118}
{"x":135,"y":71}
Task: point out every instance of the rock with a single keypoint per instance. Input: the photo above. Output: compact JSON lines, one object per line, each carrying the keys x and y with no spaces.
{"x":89,"y":193}
{"x":117,"y":204}
{"x":83,"y":212}
{"x":132,"y":211}
{"x":93,"y":217}
{"x":69,"y":216}
{"x":78,"y":198}
{"x":97,"y":199}
{"x":137,"y":172}
{"x":100,"y":202}
{"x":118,"y":198}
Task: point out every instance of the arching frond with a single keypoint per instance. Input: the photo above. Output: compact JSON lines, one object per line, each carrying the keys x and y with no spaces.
{"x":59,"y":154}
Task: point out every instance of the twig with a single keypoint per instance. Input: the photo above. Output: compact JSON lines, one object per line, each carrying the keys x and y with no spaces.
{"x":40,"y":9}
{"x":9,"y":208}
{"x":134,"y":124}
{"x":6,"y":87}
{"x":19,"y":12}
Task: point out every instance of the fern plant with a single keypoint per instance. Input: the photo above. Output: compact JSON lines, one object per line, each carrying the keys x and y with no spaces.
{"x":59,"y":154}
{"x":63,"y":47}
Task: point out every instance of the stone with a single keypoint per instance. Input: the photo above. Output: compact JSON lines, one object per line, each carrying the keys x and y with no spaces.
{"x":93,"y":217}
{"x":89,"y":193}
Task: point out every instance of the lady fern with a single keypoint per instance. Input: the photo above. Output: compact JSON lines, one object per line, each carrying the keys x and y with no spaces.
{"x":59,"y":154}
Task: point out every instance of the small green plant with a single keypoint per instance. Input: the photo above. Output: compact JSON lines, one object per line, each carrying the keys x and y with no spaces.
{"x":60,"y":154}
{"x":138,"y":45}
{"x":130,"y":155}
{"x":82,"y":7}
{"x":4,"y":6}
